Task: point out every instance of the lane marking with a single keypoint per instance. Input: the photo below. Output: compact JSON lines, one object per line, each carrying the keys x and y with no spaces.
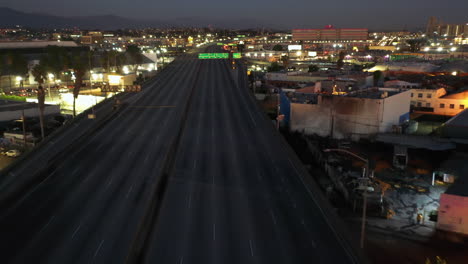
{"x":48,"y":223}
{"x":99,"y":248}
{"x":128,"y":193}
{"x":153,"y":106}
{"x":110,"y":181}
{"x":273,"y":217}
{"x":214,"y":231}
{"x":181,"y":261}
{"x":190,"y":200}
{"x":76,"y":231}
{"x":314,"y":245}
{"x":251,"y":248}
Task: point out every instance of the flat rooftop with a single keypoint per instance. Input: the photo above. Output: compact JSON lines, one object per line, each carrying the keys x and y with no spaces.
{"x":373,"y":93}
{"x":15,"y":105}
{"x":35,"y":44}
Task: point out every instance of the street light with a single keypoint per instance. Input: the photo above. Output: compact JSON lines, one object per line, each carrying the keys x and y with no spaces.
{"x":364,"y":194}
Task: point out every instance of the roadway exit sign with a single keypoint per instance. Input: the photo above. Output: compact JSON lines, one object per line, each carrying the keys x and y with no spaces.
{"x":213,"y":55}
{"x":236,"y":55}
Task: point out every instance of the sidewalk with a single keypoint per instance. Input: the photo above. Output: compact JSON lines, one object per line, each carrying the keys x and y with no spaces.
{"x":421,"y":233}
{"x":397,"y":241}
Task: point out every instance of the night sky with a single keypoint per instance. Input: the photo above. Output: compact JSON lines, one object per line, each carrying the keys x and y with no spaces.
{"x":374,"y":14}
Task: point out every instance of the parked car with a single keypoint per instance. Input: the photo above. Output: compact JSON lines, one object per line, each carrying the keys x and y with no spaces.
{"x":13,"y":153}
{"x":63,"y":90}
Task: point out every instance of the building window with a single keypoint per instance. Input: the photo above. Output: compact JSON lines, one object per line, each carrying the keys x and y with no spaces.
{"x":442,"y":105}
{"x":419,"y":104}
{"x":428,"y":104}
{"x":420,"y":95}
{"x":452,"y":106}
{"x":413,"y":102}
{"x":462,"y":107}
{"x":429,"y":95}
{"x":411,"y":94}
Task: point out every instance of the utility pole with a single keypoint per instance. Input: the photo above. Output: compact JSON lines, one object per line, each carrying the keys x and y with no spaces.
{"x":278,"y":111}
{"x":364,"y":206}
{"x":23,"y":118}
{"x":365,"y":181}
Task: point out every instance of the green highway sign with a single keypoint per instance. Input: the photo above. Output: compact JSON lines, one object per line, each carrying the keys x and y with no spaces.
{"x":220,"y":44}
{"x":236,"y":56}
{"x":213,"y":55}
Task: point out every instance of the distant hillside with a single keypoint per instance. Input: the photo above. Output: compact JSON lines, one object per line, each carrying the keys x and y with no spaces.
{"x":10,"y":17}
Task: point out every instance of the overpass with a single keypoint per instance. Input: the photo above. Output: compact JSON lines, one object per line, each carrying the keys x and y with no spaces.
{"x":189,"y":171}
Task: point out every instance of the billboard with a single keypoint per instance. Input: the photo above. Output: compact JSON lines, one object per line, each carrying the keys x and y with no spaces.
{"x":294,"y":47}
{"x":312,"y":54}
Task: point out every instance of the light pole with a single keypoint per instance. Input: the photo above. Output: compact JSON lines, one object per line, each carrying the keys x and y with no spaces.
{"x":278,"y":111}
{"x":364,"y":194}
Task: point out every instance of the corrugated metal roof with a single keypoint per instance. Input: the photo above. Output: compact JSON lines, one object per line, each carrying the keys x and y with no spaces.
{"x":36,"y":44}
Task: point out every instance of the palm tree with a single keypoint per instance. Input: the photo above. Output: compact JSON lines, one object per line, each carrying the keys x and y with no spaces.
{"x":2,"y":67}
{"x":39,"y":73}
{"x":80,"y":67}
{"x":105,"y":60}
{"x":120,"y":60}
{"x":135,"y":54}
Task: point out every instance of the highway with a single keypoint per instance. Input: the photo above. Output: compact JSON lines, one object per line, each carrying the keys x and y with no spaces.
{"x":233,"y":195}
{"x":87,"y":209}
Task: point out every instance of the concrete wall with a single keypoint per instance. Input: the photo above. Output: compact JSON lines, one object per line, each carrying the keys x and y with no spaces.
{"x":30,"y":112}
{"x":310,"y":119}
{"x":349,"y":117}
{"x":355,"y":118}
{"x":393,"y":108}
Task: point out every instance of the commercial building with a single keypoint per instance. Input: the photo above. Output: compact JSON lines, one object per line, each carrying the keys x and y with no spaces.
{"x":330,"y":34}
{"x":453,"y":209}
{"x":436,"y":27}
{"x":356,"y":115}
{"x":93,"y":37}
{"x":11,"y":110}
{"x":437,"y":102}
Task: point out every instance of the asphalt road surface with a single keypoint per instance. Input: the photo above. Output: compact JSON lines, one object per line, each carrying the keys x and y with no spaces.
{"x":87,"y":210}
{"x":234,"y":194}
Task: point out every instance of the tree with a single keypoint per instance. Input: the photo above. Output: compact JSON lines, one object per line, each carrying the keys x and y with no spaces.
{"x":135,"y":55}
{"x":278,"y":47}
{"x":119,"y":59}
{"x":105,"y":60}
{"x":285,"y":60}
{"x":274,"y":67}
{"x":80,"y":66}
{"x":416,"y":44}
{"x":2,"y":68}
{"x":55,"y":60}
{"x":340,"y":62}
{"x":313,"y":68}
{"x":377,"y":75}
{"x":39,"y":72}
{"x":16,"y":65}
